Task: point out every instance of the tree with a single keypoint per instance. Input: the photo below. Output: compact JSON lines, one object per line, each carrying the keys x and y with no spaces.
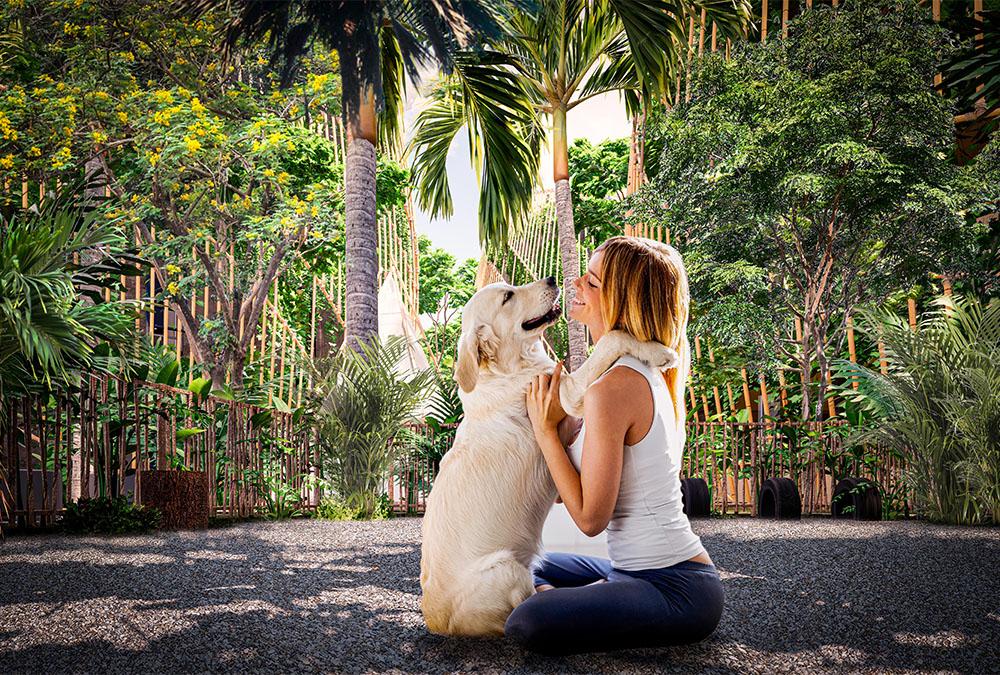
{"x":549,"y":61}
{"x":598,"y":176}
{"x":813,"y":174}
{"x":232,"y":196}
{"x":375,"y":42}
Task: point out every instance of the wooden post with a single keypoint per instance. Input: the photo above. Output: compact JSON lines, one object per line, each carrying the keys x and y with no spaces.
{"x":784,"y":19}
{"x":763,"y":397}
{"x":715,"y":31}
{"x":911,"y":307}
{"x":851,"y":352}
{"x":701,"y":34}
{"x":763,"y":21}
{"x":746,"y":394}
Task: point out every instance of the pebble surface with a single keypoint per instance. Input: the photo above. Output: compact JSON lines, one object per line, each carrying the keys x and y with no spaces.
{"x":312,"y":596}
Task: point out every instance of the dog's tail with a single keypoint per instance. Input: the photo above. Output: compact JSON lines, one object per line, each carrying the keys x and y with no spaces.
{"x":487,"y":593}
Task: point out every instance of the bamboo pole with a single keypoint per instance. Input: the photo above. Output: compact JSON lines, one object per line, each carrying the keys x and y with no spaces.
{"x":746,"y":394}
{"x":701,"y":34}
{"x":784,"y":19}
{"x":911,"y":309}
{"x":763,"y":21}
{"x":851,"y":351}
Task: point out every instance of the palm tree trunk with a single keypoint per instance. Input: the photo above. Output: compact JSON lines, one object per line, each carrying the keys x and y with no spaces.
{"x":568,"y":250}
{"x":360,"y":231}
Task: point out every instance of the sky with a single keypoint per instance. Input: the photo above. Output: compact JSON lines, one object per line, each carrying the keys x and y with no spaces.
{"x":597,"y":119}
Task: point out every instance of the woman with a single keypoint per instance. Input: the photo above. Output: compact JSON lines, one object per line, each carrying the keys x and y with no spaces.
{"x":621,"y":473}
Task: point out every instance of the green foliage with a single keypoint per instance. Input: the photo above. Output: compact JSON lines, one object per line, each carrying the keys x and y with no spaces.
{"x":334,"y":508}
{"x":439,"y":275}
{"x":939,"y":405}
{"x":109,"y":515}
{"x":358,"y":404}
{"x":53,"y":315}
{"x":598,"y":175}
{"x":811,"y":175}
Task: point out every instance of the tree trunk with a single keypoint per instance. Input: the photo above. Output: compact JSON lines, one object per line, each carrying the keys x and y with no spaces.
{"x":568,"y":250}
{"x":360,"y":231}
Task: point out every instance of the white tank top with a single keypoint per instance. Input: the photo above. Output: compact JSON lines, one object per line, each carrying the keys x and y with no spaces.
{"x":648,"y":529}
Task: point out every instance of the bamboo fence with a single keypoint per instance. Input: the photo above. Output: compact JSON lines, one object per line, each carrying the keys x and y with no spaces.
{"x":99,"y":439}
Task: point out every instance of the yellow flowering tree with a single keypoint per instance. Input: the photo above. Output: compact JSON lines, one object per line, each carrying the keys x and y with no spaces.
{"x":223,"y":202}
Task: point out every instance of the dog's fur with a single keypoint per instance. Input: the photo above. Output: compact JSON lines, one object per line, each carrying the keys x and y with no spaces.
{"x":484,"y":517}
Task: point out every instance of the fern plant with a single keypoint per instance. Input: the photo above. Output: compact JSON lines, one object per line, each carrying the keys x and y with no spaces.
{"x":359,"y":402}
{"x":938,"y":406}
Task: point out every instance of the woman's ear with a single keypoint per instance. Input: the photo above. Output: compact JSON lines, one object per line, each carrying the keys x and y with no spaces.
{"x":475,"y":347}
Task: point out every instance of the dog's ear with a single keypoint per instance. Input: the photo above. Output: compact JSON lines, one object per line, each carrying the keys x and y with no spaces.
{"x":474,"y":348}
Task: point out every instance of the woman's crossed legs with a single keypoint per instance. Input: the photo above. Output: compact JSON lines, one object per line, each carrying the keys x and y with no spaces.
{"x":578,"y":615}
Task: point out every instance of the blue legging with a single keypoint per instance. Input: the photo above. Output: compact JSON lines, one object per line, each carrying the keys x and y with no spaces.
{"x":649,"y":608}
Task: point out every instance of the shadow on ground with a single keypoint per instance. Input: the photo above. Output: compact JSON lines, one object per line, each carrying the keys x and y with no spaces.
{"x":306,"y":596}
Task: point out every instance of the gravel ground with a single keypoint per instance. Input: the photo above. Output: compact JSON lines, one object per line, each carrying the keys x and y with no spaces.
{"x":816,"y":596}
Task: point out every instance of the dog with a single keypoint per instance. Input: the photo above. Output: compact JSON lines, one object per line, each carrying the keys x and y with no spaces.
{"x":483,"y":523}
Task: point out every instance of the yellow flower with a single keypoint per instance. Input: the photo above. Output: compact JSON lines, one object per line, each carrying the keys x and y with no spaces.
{"x":123,"y":117}
{"x":163,"y":96}
{"x":193,"y":144}
{"x":7,"y":162}
{"x":197,"y":107}
{"x":269,"y":173}
{"x":154,"y":157}
{"x":173,"y":288}
{"x":173,"y":269}
{"x":35,"y":151}
{"x":283,"y":177}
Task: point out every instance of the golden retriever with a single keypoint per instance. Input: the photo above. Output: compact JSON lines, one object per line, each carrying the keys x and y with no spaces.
{"x":483,"y":523}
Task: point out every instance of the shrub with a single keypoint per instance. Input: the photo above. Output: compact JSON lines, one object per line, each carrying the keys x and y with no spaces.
{"x":939,"y":406}
{"x":109,"y":515}
{"x":335,"y":508}
{"x":360,"y":402}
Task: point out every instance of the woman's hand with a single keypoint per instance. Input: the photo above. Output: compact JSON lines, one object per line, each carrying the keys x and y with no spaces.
{"x":544,"y":409}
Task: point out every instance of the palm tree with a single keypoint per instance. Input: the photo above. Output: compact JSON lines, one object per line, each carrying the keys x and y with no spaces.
{"x":376,"y":41}
{"x":550,"y":61}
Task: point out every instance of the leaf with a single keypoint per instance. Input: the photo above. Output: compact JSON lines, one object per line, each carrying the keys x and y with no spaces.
{"x":188,"y":432}
{"x":168,"y":374}
{"x":200,"y":387}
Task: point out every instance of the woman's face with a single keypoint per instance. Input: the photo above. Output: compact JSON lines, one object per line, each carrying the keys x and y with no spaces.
{"x":586,"y":306}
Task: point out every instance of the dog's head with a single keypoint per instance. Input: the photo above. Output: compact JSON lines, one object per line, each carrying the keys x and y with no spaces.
{"x":500,"y":323}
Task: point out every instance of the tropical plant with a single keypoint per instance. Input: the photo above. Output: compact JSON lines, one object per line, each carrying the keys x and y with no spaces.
{"x":334,"y":508}
{"x":109,"y":515}
{"x":55,"y":266}
{"x":549,"y":61}
{"x":375,"y":41}
{"x":358,"y":403}
{"x":938,"y":406}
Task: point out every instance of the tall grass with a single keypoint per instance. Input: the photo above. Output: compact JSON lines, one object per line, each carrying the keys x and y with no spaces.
{"x":939,"y":405}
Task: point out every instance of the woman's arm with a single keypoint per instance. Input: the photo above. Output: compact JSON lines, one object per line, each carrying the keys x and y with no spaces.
{"x":590,"y":499}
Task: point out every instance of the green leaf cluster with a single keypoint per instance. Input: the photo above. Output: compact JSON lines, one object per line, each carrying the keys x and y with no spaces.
{"x":359,"y":401}
{"x":938,"y":406}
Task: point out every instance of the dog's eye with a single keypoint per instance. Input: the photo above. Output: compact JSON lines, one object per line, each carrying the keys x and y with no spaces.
{"x":506,"y":297}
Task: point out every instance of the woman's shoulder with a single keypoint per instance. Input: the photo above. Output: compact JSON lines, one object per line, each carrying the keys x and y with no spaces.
{"x":618,"y":385}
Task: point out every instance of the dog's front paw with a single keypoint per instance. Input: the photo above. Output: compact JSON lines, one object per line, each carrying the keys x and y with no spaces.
{"x":657,"y":355}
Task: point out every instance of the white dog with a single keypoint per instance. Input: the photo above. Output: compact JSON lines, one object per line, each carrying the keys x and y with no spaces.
{"x":484,"y":517}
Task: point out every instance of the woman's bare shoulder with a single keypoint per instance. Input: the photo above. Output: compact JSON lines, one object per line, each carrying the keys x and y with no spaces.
{"x":619,"y":387}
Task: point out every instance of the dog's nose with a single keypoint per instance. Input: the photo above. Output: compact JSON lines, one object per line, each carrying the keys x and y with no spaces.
{"x":551,"y":281}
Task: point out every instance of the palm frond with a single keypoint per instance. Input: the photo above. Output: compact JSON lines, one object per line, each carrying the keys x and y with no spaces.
{"x":485,"y":97}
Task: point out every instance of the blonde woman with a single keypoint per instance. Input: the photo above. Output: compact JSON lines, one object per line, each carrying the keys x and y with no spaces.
{"x":621,"y":473}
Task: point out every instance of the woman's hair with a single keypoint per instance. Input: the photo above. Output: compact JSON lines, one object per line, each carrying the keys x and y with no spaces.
{"x":644,"y":292}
